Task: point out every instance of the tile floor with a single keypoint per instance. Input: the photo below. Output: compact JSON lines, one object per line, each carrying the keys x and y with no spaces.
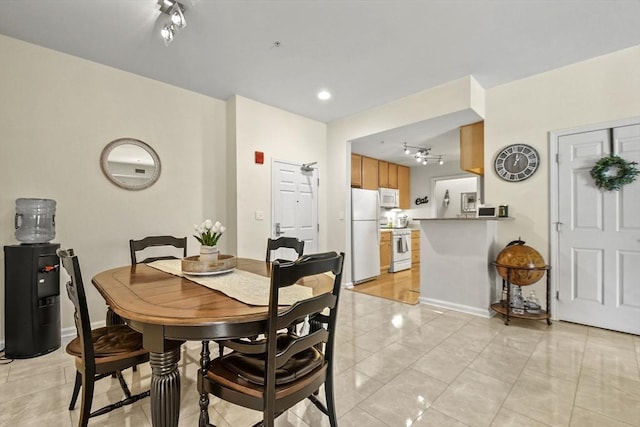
{"x":397,"y":365}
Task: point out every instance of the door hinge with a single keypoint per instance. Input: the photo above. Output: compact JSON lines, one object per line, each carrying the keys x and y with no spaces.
{"x":318,"y":181}
{"x":557,"y":158}
{"x":318,"y":227}
{"x":558,"y":295}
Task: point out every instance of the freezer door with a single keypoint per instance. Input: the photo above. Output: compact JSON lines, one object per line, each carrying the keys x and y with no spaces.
{"x":364,"y":204}
{"x":366,"y":250}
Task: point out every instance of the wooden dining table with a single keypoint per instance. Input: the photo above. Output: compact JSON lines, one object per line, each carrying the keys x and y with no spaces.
{"x":169,"y":310}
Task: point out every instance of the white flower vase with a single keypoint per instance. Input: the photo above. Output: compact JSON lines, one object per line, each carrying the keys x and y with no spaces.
{"x":208,"y":253}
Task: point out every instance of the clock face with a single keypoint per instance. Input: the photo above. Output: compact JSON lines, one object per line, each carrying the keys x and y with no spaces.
{"x":516,"y":162}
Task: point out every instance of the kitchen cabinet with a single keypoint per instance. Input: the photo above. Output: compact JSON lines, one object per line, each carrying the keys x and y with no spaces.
{"x":369,"y":173}
{"x":383,"y":174}
{"x":356,"y":170}
{"x":385,"y":251}
{"x":415,"y":248}
{"x":393,"y":175}
{"x":472,"y":148}
{"x":404,"y":184}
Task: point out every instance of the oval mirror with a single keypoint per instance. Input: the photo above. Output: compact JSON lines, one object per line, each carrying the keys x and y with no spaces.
{"x":130,"y":163}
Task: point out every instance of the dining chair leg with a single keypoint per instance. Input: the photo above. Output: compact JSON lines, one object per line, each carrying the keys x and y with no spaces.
{"x":205,"y":358}
{"x":123,"y":384}
{"x":87,"y":399}
{"x":76,"y":391}
{"x":269,"y":420}
{"x":331,"y":404}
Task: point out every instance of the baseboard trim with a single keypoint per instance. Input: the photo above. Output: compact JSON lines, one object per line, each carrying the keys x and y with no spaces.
{"x":488,"y":313}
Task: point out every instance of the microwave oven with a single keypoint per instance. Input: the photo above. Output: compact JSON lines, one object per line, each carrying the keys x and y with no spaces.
{"x":389,"y":198}
{"x":487,"y":212}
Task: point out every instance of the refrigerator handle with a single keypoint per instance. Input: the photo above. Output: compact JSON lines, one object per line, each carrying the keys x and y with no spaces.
{"x":378,"y":215}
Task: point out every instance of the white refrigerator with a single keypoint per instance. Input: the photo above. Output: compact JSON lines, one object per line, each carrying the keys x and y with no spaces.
{"x":365,"y":235}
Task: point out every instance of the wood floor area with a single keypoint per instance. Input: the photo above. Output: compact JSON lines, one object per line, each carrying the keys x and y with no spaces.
{"x":403,"y":286}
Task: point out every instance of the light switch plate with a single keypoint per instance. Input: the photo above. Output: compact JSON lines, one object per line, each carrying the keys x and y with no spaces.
{"x":259,"y":215}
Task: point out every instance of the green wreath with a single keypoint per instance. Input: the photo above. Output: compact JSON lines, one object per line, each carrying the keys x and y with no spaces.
{"x":612,"y":172}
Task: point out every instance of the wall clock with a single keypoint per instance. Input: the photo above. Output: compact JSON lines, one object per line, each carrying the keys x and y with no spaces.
{"x":516,"y":162}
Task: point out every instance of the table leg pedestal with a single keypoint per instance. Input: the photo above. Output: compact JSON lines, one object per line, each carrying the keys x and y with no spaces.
{"x":165,"y":388}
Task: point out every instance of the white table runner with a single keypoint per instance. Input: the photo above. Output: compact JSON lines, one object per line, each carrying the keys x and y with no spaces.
{"x":246,"y":287}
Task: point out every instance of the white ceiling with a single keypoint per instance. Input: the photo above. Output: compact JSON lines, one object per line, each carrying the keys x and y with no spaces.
{"x":367,"y":53}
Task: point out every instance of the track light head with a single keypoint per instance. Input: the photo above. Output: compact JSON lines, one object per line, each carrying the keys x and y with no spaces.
{"x":422,"y":155}
{"x":176,"y":21}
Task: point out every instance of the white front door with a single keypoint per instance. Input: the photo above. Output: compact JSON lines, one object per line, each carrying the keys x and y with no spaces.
{"x":598,"y":233}
{"x":294,"y":206}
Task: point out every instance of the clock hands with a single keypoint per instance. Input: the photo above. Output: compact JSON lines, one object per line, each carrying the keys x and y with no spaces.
{"x":515,"y":162}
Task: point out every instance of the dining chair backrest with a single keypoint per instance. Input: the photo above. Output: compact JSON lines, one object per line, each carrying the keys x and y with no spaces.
{"x":273,"y":374}
{"x":156,"y":241}
{"x":287,"y":274}
{"x":284,"y":242}
{"x":75,"y":291}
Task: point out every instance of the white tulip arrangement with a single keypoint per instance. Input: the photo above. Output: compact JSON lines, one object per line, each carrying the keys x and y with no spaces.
{"x":209,"y":233}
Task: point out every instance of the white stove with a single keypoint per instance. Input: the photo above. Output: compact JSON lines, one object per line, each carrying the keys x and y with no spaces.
{"x":400,"y":249}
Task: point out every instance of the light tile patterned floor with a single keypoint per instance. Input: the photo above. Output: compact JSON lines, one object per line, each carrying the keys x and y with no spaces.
{"x":397,"y":365}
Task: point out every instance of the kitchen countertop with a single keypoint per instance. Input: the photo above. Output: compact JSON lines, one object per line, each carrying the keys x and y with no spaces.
{"x":463,"y":219}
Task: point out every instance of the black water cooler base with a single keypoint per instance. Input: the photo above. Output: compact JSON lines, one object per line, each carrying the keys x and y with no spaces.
{"x":31,"y":300}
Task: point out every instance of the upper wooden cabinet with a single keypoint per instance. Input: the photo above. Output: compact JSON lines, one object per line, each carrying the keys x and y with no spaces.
{"x":356,"y":170}
{"x":369,"y":173}
{"x":383,"y":174}
{"x":393,"y":175}
{"x":472,"y":148}
{"x":404,"y":185}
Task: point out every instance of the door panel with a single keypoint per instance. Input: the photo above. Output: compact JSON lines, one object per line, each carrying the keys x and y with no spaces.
{"x":295,"y":206}
{"x":599,"y":233}
{"x":630,"y":269}
{"x":588,"y":275}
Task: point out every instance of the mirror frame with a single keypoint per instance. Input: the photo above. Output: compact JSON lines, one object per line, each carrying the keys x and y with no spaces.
{"x":104,"y":157}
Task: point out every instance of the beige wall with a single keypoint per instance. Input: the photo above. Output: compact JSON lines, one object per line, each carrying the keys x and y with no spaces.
{"x":602,"y":89}
{"x":281,"y":136}
{"x":57,"y":112}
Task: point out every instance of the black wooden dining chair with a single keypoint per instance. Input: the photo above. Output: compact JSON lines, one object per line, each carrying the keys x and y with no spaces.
{"x":273,"y":374}
{"x":155,"y":241}
{"x":99,"y":352}
{"x":142,"y":244}
{"x":284,"y":242}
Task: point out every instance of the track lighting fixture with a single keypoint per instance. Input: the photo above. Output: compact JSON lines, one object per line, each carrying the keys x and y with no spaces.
{"x":422,"y":155}
{"x":176,"y":21}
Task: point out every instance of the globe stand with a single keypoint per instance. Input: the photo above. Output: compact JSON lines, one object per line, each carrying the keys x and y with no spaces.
{"x":504,"y":306}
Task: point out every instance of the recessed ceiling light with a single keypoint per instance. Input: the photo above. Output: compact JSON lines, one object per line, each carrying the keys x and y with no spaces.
{"x":324,"y":95}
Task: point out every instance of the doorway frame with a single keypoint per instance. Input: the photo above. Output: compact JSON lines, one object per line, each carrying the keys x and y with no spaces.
{"x":554,"y":137}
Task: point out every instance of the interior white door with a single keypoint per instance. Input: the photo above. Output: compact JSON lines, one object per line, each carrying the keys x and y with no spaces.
{"x":598,"y":233}
{"x":294,"y":206}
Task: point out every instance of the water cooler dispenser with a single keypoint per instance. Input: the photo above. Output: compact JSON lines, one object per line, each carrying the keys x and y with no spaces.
{"x":32,"y":283}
